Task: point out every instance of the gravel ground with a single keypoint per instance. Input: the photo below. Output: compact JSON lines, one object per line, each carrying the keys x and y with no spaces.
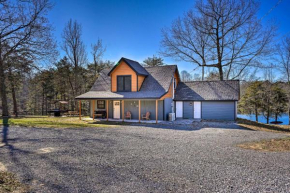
{"x":146,"y":158}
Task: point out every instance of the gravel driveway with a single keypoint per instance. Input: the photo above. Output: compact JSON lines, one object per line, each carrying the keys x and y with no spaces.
{"x":148,"y":158}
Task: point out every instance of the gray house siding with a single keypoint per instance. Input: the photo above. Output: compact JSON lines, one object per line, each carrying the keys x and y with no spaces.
{"x":188,"y":109}
{"x":218,"y":110}
{"x":133,"y":107}
{"x":167,"y":108}
{"x":150,"y":106}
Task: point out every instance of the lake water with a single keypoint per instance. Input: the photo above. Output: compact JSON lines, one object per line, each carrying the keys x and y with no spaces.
{"x":284,"y":118}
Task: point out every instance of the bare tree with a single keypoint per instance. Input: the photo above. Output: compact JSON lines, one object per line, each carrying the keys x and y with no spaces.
{"x":18,"y":65}
{"x":98,"y":51}
{"x":73,"y":44}
{"x":186,"y":76}
{"x":23,"y":27}
{"x":284,"y":64}
{"x":221,"y":34}
{"x":284,"y":57}
{"x":75,"y":50}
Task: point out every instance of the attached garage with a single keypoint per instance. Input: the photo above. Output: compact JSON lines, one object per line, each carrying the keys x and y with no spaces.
{"x":208,"y":100}
{"x":218,"y":110}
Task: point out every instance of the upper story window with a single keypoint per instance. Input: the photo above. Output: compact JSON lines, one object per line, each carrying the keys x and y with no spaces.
{"x":124,"y":83}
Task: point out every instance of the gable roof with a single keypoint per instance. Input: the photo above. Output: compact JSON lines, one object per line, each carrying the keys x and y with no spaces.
{"x":159,"y":78}
{"x":155,"y":85}
{"x":132,"y":64}
{"x":103,"y":82}
{"x":208,"y":90}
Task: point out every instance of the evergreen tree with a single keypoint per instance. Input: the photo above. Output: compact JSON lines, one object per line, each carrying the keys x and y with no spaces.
{"x":251,"y":101}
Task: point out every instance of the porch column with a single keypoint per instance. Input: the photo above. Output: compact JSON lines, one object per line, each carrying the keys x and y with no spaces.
{"x":107,"y":101}
{"x":123,"y":104}
{"x":156,"y":111}
{"x":80,"y":109}
{"x":139,"y":111}
{"x":93,"y":109}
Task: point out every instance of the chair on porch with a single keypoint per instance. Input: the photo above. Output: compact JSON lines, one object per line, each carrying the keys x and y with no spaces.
{"x":146,"y":116}
{"x":128,"y":115}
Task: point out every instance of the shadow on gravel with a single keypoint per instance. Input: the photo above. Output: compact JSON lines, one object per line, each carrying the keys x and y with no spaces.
{"x":180,"y":127}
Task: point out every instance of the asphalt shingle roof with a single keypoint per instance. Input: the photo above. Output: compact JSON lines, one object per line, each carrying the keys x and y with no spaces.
{"x":159,"y":78}
{"x":140,"y":70}
{"x":136,"y":66}
{"x":155,"y":85}
{"x":208,"y":90}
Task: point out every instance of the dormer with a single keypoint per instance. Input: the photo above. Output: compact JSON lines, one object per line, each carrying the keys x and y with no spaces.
{"x":127,"y":76}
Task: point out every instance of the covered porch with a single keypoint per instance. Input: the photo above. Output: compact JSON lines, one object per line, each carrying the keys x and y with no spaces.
{"x":126,"y":110}
{"x":125,"y":120}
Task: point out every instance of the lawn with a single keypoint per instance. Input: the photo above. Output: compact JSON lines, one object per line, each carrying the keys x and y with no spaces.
{"x":56,"y":122}
{"x":262,"y":127}
{"x":276,"y":145}
{"x":9,"y":183}
{"x":266,"y":145}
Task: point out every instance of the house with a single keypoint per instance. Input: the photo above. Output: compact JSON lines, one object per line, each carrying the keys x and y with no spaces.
{"x":128,"y":86}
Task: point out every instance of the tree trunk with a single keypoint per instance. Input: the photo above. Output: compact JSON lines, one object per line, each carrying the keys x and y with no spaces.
{"x":268,"y":115}
{"x":276,"y":118}
{"x":221,"y":73}
{"x":14,"y":101}
{"x":42,"y":105}
{"x":3,"y":90}
{"x":256,"y":113}
{"x":289,"y":115}
{"x":202,"y":76}
{"x":15,"y":111}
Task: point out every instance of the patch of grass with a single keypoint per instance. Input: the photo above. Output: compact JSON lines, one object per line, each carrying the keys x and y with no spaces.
{"x":55,"y":122}
{"x":9,"y":183}
{"x":262,"y":127}
{"x":277,"y":145}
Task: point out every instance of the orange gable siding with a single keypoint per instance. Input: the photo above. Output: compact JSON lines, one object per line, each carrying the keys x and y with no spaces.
{"x":169,"y":93}
{"x":176,"y":77}
{"x":140,"y":81}
{"x":123,"y":69}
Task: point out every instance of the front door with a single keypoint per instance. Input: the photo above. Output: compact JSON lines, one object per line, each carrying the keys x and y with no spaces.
{"x":117,"y":109}
{"x":197,"y":110}
{"x":179,"y":109}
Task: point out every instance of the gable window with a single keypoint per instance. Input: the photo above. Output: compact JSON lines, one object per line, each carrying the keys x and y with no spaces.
{"x":100,"y":104}
{"x":124,"y":83}
{"x":174,"y":83}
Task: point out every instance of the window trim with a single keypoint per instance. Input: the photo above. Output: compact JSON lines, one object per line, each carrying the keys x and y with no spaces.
{"x":101,"y":104}
{"x":124,"y":82}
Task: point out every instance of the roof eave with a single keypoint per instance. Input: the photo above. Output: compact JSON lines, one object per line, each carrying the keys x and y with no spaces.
{"x":123,"y":59}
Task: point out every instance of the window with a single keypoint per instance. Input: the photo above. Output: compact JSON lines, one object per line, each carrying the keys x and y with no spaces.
{"x":174,"y":83}
{"x":124,"y":83}
{"x":100,"y":104}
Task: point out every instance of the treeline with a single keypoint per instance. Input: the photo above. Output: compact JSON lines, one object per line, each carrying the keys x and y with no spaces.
{"x":223,"y":40}
{"x":32,"y":79}
{"x":265,"y":98}
{"x":57,"y":83}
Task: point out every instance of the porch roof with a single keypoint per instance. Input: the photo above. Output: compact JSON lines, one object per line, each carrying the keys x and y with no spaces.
{"x":120,"y":95}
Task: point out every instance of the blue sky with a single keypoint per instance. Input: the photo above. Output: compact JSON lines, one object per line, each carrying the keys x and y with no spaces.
{"x":132,"y":28}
